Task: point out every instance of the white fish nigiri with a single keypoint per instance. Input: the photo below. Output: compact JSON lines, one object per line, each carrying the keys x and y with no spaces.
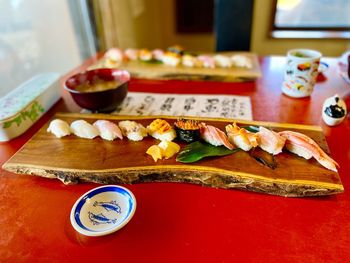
{"x":84,"y":129}
{"x":108,"y":130}
{"x":59,"y":128}
{"x":270,"y":141}
{"x":133,"y":130}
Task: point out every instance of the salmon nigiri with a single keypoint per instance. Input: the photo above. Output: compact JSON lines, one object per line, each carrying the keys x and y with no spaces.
{"x":214,"y":136}
{"x":108,"y":130}
{"x":304,"y":146}
{"x":270,"y":141}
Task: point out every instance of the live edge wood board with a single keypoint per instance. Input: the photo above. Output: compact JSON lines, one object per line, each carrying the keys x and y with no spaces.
{"x":72,"y":159}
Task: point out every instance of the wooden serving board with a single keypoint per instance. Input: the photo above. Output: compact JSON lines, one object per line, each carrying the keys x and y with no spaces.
{"x":139,"y":69}
{"x":72,"y":159}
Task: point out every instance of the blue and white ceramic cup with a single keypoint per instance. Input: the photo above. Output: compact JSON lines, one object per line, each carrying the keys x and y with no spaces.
{"x":301,"y":72}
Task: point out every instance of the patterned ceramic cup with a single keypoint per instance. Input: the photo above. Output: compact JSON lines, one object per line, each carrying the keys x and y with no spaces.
{"x":301,"y":72}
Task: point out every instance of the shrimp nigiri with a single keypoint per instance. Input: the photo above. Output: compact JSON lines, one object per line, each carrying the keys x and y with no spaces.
{"x":84,"y":129}
{"x":108,"y":130}
{"x":214,"y":136}
{"x":270,"y":141}
{"x":59,"y":128}
{"x":304,"y":146}
{"x":241,"y":137}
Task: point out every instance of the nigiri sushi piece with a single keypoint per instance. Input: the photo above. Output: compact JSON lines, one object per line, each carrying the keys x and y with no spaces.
{"x":157,"y":54}
{"x":161,"y":130}
{"x":133,"y":130}
{"x":171,"y":59}
{"x":84,"y":129}
{"x":114,"y":54}
{"x":131,"y":53}
{"x":214,"y":136}
{"x":223,"y":61}
{"x":270,"y":141}
{"x":208,"y":61}
{"x":240,"y":137}
{"x":59,"y":128}
{"x":306,"y":147}
{"x":108,"y":130}
{"x":241,"y":61}
{"x":191,"y":61}
{"x":145,"y":55}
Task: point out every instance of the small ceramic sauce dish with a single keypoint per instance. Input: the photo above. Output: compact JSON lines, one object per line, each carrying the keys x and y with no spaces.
{"x":103,"y":210}
{"x":333,"y":110}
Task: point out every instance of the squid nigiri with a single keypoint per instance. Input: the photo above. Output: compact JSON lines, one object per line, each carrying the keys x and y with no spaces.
{"x":270,"y":141}
{"x":59,"y":128}
{"x":84,"y":129}
{"x":214,"y":136}
{"x":133,"y":130}
{"x":304,"y":146}
{"x":108,"y":130}
{"x":241,"y":137}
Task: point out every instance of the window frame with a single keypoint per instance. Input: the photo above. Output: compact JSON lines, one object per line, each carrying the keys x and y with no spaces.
{"x":306,"y":32}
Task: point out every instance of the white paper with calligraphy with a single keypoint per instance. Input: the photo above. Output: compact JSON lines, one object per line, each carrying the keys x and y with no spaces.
{"x":224,"y":106}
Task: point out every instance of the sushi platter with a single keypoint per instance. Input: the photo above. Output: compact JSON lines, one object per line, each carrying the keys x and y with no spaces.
{"x":73,"y":159}
{"x":157,"y":70}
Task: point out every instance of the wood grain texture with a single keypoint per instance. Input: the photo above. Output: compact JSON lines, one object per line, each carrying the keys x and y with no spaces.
{"x":146,"y":70}
{"x":72,"y":159}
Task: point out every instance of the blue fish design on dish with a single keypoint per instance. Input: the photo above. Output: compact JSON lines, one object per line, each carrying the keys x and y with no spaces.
{"x":98,"y":219}
{"x":109,"y":206}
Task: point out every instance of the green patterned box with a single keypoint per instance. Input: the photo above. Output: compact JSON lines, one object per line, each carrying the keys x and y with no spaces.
{"x":23,"y":106}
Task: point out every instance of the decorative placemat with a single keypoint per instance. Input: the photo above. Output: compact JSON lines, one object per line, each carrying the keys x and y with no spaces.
{"x":218,"y":106}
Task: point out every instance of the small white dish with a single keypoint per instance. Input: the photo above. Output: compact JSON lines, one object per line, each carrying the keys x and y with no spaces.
{"x":103,"y":210}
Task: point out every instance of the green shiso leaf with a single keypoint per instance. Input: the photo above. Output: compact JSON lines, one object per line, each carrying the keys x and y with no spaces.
{"x":197,"y":150}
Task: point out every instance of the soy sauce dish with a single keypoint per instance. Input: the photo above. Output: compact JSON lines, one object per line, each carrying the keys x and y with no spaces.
{"x":103,"y":210}
{"x":100,"y":90}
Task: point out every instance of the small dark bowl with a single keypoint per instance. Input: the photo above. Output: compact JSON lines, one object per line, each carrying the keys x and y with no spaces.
{"x":101,"y":101}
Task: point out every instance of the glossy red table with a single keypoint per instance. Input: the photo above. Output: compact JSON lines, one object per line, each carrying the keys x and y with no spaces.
{"x":189,"y":223}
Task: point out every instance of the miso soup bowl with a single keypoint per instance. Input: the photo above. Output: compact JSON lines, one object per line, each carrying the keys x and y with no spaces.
{"x":100,"y":101}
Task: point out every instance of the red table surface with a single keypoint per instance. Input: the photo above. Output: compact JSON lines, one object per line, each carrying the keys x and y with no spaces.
{"x":182,"y":222}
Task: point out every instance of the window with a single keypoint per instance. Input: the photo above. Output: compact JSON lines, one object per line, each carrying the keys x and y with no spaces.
{"x":41,"y":36}
{"x":311,"y":19}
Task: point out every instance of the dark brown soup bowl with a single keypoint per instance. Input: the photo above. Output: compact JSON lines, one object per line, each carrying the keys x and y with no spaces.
{"x":99,"y":100}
